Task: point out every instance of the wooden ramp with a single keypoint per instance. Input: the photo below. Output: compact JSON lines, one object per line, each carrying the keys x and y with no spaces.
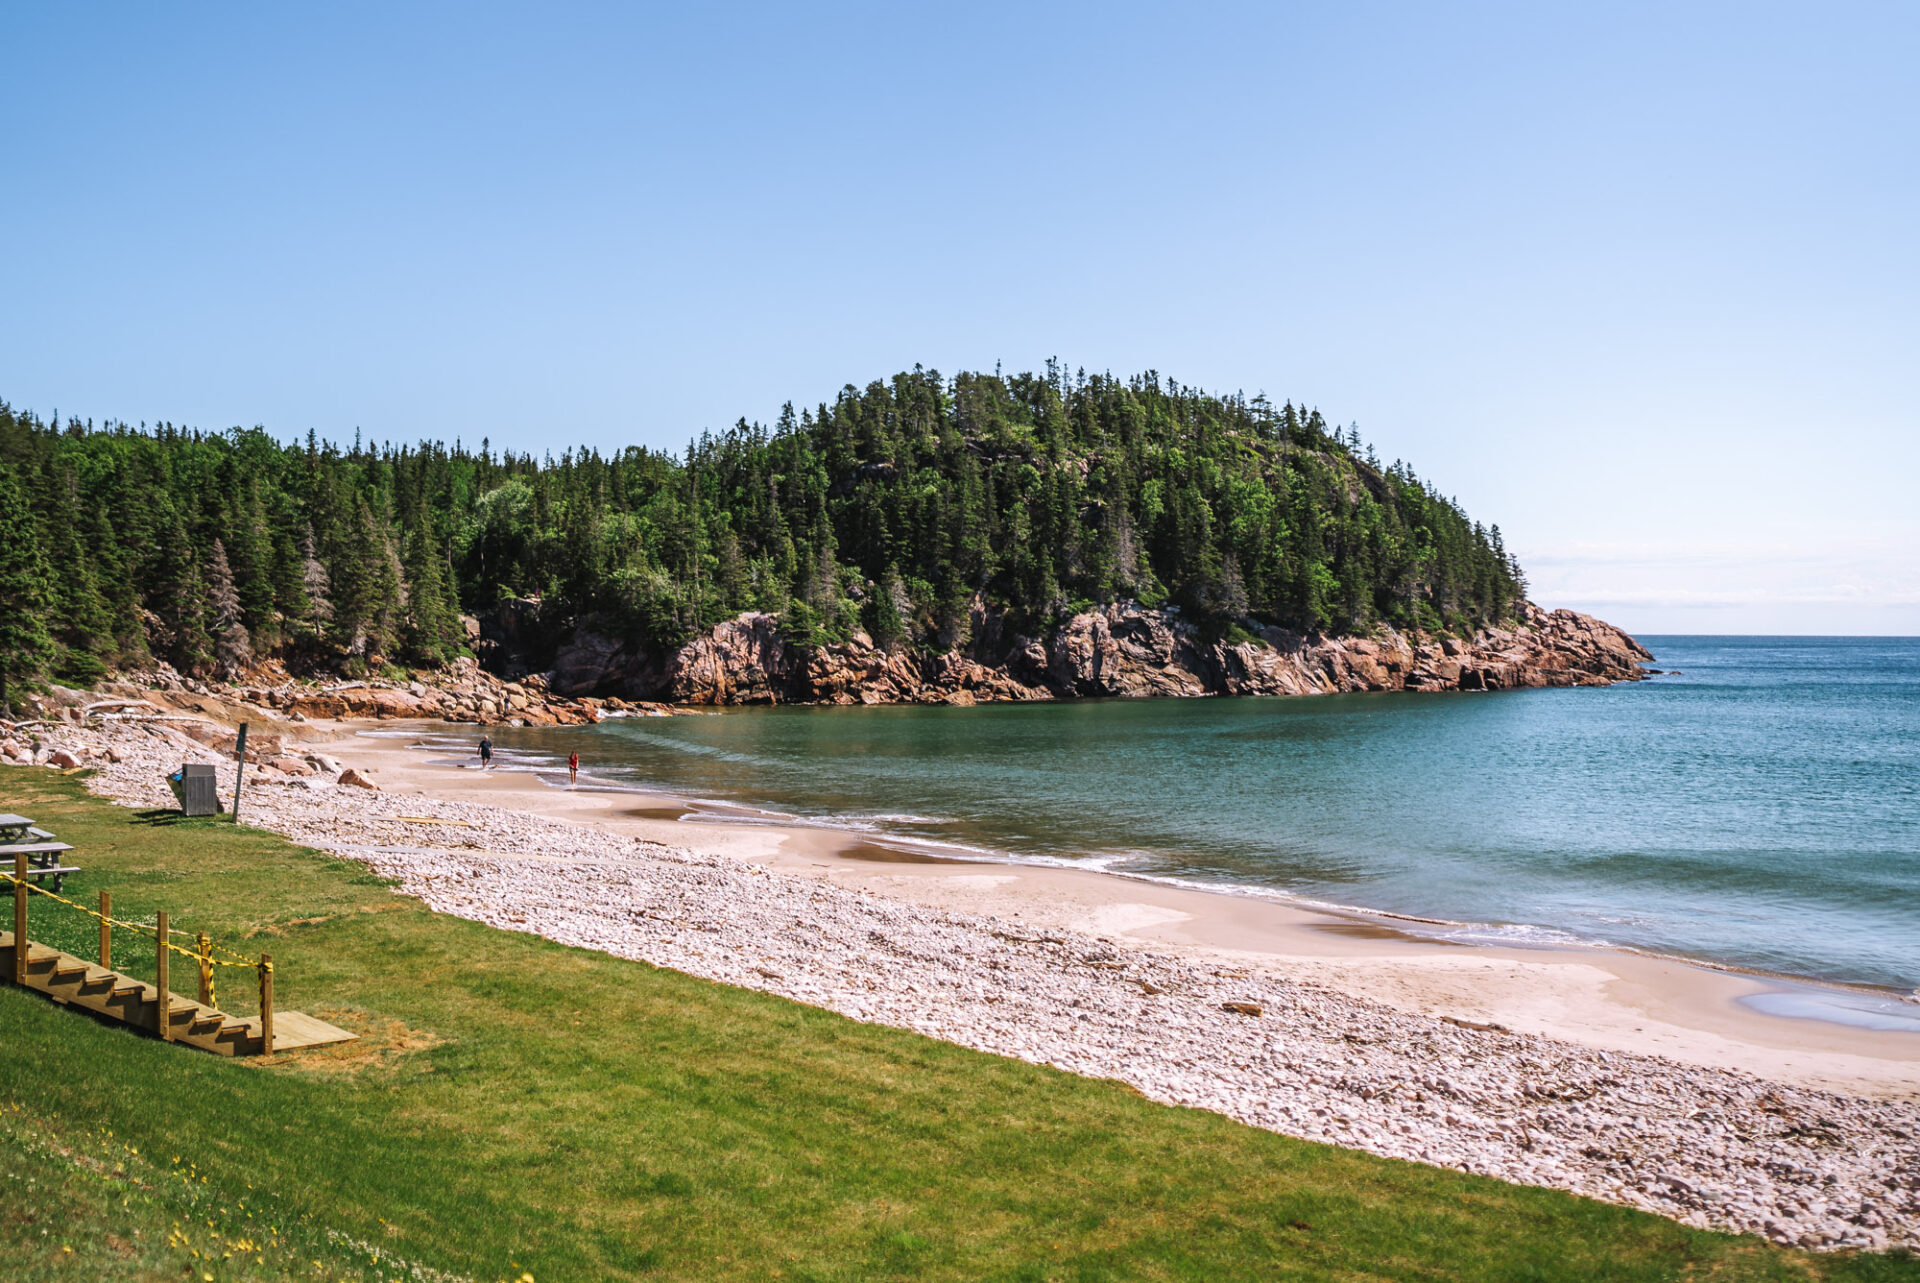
{"x":72,"y":981}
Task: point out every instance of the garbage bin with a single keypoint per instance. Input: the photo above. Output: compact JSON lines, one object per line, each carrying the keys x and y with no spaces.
{"x":194,"y":787}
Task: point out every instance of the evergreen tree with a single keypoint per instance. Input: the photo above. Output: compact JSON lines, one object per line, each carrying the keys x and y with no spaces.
{"x":432,"y":634}
{"x":913,"y":506}
{"x":25,"y":646}
{"x":79,"y":616}
{"x":232,"y":646}
{"x":176,"y":596}
{"x":315,"y":587}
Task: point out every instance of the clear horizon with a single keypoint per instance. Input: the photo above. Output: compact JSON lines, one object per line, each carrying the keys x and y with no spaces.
{"x":1639,"y":287}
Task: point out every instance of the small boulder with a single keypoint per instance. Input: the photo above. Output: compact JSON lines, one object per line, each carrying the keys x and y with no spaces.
{"x":290,"y":766}
{"x":354,"y":779}
{"x":1241,"y":1008}
{"x":62,"y":759}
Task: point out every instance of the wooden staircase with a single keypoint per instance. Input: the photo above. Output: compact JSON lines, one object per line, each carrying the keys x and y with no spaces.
{"x":75,"y":982}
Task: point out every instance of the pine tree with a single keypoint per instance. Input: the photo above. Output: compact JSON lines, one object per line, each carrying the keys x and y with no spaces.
{"x":25,"y":646}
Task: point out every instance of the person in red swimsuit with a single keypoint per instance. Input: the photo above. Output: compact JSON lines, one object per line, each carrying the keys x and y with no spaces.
{"x":573,"y":769}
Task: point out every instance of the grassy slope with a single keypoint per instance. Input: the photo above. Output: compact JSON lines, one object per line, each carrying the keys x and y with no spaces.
{"x":517,"y":1105}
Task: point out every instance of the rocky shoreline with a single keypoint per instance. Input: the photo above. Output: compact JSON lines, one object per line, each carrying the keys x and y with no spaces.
{"x":1121,"y":650}
{"x":1117,"y":651}
{"x":1710,"y":1147}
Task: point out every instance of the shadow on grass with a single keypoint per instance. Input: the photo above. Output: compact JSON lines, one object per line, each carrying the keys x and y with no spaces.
{"x":170,"y":818}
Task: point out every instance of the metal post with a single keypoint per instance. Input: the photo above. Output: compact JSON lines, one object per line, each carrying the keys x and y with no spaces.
{"x":240,"y":772}
{"x":266,"y":1004}
{"x":163,"y":1004}
{"x":106,"y":931}
{"x":20,"y":919}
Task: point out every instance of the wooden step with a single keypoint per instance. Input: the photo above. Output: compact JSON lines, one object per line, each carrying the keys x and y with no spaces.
{"x":72,"y":981}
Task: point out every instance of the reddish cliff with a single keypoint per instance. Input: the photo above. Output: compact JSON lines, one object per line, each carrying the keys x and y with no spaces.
{"x":1116,"y":650}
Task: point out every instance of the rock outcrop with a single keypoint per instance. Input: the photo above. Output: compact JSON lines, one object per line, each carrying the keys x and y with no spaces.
{"x":1119,"y":650}
{"x":461,"y":692}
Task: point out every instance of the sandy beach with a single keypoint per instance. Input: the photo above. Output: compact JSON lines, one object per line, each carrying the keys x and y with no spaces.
{"x":1639,"y":1080}
{"x":1605,"y":998}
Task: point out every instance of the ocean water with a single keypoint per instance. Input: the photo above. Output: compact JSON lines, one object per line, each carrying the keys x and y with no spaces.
{"x":1761,"y":807}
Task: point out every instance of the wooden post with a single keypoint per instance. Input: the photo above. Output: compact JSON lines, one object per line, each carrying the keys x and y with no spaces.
{"x":266,"y":1004}
{"x":206,"y":969}
{"x":106,"y":931}
{"x":240,"y":771}
{"x":163,"y":1008}
{"x":19,"y":919}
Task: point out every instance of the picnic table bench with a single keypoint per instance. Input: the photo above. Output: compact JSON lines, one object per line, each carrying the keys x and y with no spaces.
{"x":43,"y":857}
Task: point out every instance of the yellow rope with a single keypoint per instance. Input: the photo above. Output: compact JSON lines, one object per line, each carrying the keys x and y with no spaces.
{"x":154,"y":931}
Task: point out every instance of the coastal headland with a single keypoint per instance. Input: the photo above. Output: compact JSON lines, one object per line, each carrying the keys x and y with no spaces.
{"x":1639,"y":1080}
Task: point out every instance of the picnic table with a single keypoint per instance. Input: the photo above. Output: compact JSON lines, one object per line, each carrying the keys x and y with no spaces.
{"x":17,"y":838}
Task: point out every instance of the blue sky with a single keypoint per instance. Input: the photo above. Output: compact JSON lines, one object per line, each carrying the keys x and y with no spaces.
{"x":1640,"y":283}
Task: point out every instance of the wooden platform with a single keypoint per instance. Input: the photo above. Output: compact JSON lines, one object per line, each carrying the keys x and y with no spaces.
{"x":72,"y":981}
{"x":293,"y":1030}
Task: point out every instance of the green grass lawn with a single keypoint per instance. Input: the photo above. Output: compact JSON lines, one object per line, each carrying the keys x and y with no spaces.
{"x":516,"y":1107}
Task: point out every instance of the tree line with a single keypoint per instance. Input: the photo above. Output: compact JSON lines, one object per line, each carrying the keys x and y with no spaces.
{"x":890,"y":510}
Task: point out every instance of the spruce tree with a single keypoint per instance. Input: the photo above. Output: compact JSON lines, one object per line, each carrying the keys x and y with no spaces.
{"x":432,"y":634}
{"x":232,"y":646}
{"x":1010,"y":494}
{"x":315,"y":586}
{"x":887,"y":609}
{"x":251,"y":556}
{"x":25,"y":646}
{"x":114,"y":553}
{"x":79,"y":617}
{"x":176,"y":595}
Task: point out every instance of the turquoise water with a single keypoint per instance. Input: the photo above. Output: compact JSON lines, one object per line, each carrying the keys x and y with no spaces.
{"x":1760,"y":808}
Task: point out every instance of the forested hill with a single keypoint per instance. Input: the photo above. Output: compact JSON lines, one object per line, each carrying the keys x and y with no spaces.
{"x":888,"y":511}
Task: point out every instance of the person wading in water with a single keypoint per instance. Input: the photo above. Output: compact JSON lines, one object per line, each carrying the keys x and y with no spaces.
{"x":573,"y":769}
{"x":486,"y":753}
